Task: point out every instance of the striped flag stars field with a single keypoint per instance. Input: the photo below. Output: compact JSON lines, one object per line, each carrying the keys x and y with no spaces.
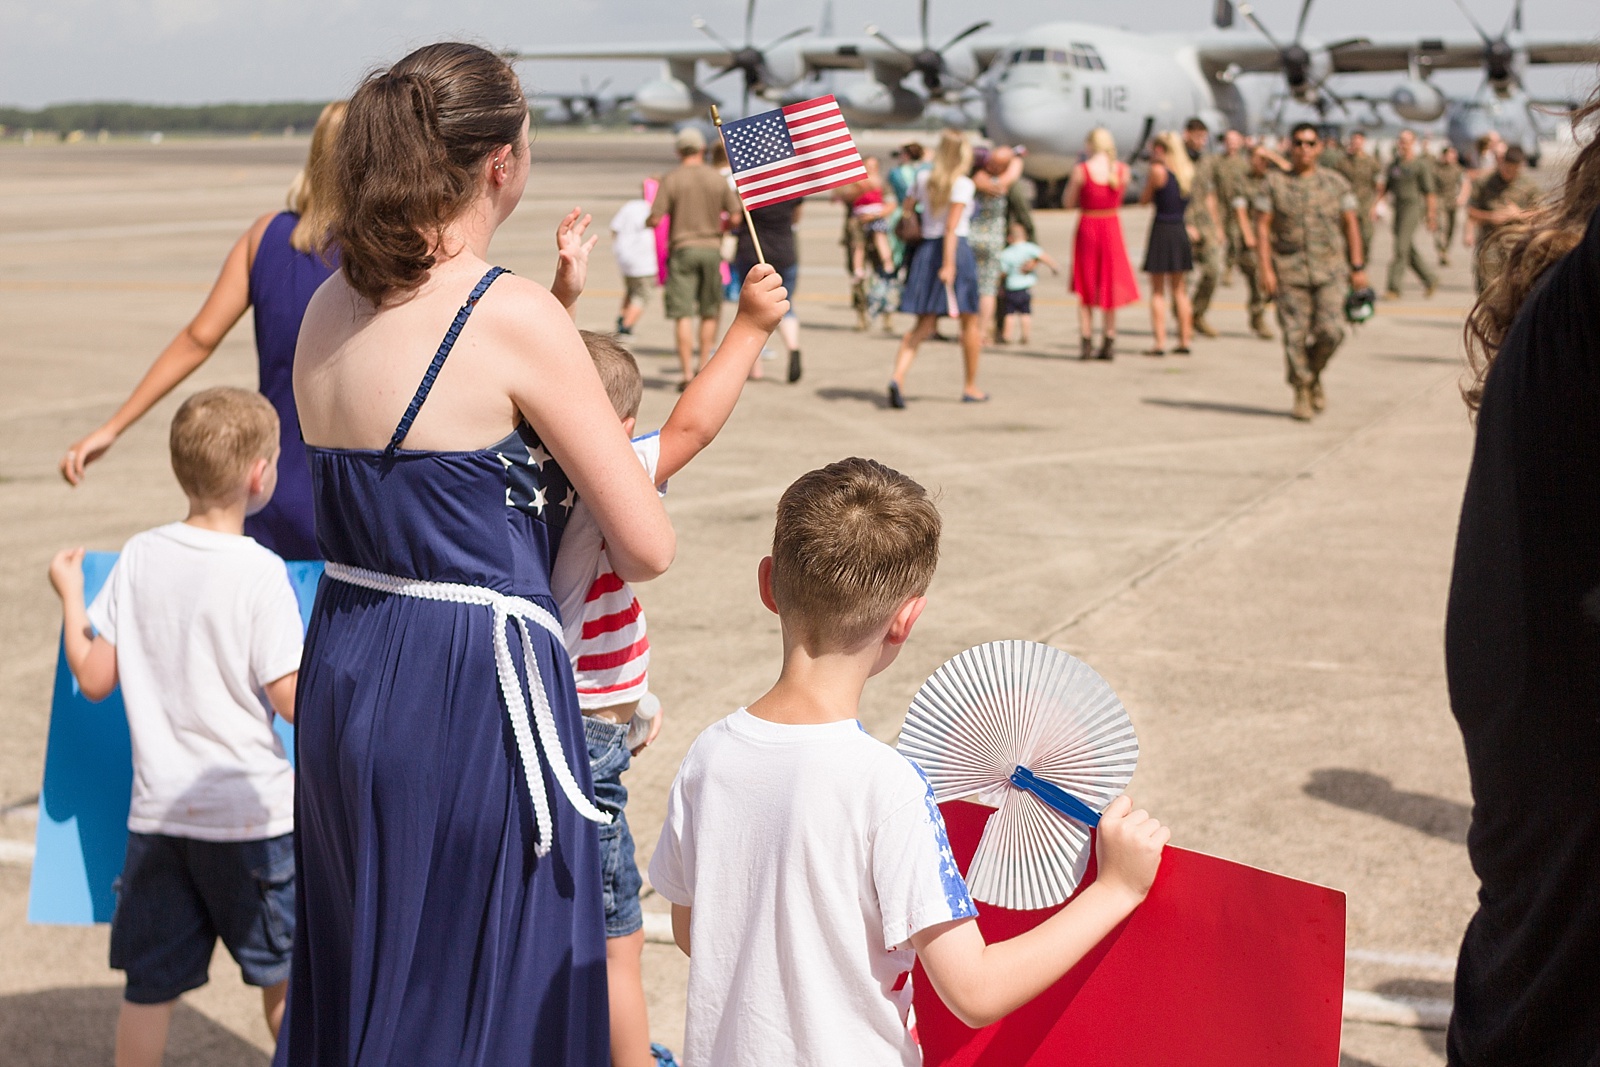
{"x":791,"y":152}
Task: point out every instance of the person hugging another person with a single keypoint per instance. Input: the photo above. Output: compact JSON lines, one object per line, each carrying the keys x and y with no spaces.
{"x":806,"y":862}
{"x":200,"y":627}
{"x":1019,"y":264}
{"x":1169,"y":256}
{"x":994,"y":173}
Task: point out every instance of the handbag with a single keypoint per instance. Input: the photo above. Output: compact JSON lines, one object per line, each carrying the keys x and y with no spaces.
{"x":909,"y":228}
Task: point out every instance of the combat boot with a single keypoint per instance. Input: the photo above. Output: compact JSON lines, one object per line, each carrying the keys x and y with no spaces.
{"x":1204,"y":328}
{"x":1258,"y":323}
{"x":1318,"y":401}
{"x":1302,"y":411}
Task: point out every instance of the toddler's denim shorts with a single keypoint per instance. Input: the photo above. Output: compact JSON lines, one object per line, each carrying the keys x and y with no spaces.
{"x":177,"y":896}
{"x":619,"y":873}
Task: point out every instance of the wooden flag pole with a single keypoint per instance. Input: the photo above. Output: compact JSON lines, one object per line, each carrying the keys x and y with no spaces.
{"x":755,"y":239}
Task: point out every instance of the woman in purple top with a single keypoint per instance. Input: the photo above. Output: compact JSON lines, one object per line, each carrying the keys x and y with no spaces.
{"x":274,"y":268}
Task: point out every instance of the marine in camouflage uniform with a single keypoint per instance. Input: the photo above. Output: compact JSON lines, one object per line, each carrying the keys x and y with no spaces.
{"x":1209,"y":243}
{"x":1447,"y":175}
{"x":1410,"y":182}
{"x":1242,"y":217}
{"x":1362,"y":171}
{"x":1504,"y":187}
{"x":1307,"y":220}
{"x":1232,"y":168}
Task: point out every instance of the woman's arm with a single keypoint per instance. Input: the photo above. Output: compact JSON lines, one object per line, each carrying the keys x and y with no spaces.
{"x":1069,"y":199}
{"x":226,"y":303}
{"x":952,"y":219}
{"x":554,"y":385}
{"x":1153,"y":182}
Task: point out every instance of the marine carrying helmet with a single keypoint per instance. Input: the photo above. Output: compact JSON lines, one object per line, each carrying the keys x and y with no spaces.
{"x":1358,"y":306}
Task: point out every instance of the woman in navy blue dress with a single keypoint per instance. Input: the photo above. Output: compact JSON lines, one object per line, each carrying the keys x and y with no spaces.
{"x":274,"y":268}
{"x":448,"y":899}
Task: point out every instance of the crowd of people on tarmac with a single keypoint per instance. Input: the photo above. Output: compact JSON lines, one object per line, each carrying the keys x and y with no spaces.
{"x":447,"y":874}
{"x":949,"y":232}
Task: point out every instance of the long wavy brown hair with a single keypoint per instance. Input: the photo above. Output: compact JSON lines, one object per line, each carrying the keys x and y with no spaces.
{"x":1529,"y":247}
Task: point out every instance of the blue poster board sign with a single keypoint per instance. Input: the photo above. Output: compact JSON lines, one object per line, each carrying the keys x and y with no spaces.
{"x":88,"y":780}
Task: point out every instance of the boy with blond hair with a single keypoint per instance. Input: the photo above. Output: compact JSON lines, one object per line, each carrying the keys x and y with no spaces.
{"x":200,"y":627}
{"x":806,"y":862}
{"x":606,"y":639}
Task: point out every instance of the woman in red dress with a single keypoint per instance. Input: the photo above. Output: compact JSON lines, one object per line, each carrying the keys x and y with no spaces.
{"x":1102,"y":276}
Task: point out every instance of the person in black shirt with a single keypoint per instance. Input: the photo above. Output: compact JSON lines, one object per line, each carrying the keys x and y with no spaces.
{"x":775,"y":225}
{"x":1522,"y":645}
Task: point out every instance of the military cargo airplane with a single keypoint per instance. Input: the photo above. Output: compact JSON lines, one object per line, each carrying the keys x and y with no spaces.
{"x":1047,"y":87}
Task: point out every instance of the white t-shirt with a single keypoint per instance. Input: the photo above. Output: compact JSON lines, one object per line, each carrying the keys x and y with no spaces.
{"x":201,"y":622}
{"x":962,"y":190}
{"x":633,"y":242}
{"x":603,"y":625}
{"x":810,"y":855}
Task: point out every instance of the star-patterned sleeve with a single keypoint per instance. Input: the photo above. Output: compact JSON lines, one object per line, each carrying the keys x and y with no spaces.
{"x":913,"y":870}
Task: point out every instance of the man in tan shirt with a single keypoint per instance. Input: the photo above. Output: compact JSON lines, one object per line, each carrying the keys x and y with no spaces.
{"x":700,"y":203}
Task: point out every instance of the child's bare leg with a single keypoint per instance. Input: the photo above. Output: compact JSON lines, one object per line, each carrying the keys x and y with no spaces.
{"x":1025,"y":329}
{"x":632,"y":312}
{"x":142,"y":1033}
{"x":630,"y":1020}
{"x":885,"y":252}
{"x":272,"y":1000}
{"x":858,"y":260}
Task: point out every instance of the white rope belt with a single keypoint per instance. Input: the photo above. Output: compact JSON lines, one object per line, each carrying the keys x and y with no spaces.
{"x":505,"y":609}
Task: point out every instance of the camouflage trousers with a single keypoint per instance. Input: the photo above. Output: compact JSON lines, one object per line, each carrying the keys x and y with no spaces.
{"x":1209,"y":257}
{"x":1445,"y":235}
{"x":1312,"y":318}
{"x":1251,"y":268}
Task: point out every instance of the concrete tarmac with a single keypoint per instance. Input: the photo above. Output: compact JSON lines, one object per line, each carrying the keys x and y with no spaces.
{"x":1266,"y":596}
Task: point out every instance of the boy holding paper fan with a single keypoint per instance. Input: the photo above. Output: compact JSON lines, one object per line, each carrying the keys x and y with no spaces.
{"x":806,"y":862}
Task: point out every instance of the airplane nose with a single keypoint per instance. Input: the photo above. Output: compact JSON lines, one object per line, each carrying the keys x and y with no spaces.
{"x":1034,"y":115}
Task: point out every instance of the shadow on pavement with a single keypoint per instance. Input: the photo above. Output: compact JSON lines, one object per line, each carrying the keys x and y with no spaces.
{"x":1361,"y":791}
{"x":877,"y":398}
{"x":77,"y":1028}
{"x":1407,"y":357}
{"x":1212,"y":405}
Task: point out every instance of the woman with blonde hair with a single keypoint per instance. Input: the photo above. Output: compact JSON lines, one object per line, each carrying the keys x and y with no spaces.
{"x":274,"y":268}
{"x":1522,"y":636}
{"x":943,"y":279}
{"x":1102,"y":276}
{"x":1169,"y":255}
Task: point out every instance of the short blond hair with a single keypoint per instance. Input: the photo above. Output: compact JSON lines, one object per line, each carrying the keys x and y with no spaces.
{"x":619,"y":372}
{"x":853,"y":541}
{"x":216,"y":435}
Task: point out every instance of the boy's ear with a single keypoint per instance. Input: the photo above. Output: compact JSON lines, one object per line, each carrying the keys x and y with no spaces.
{"x":258,"y":475}
{"x":764,"y":583}
{"x":904,"y":619}
{"x":628,"y":424}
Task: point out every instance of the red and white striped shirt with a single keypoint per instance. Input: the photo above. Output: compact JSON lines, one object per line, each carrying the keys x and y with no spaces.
{"x":603,"y":624}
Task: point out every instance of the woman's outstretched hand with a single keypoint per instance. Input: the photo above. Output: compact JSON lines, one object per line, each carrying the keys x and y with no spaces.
{"x":572,"y":257}
{"x":85,"y":451}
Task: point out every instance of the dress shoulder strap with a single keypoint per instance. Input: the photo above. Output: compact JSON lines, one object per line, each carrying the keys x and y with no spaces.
{"x":439,"y":357}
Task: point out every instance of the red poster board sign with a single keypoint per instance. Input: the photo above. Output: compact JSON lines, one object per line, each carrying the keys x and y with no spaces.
{"x":1222,"y":966}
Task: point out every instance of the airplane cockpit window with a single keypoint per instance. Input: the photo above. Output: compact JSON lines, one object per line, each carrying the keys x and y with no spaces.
{"x":1086,"y":57}
{"x":1040,"y":55}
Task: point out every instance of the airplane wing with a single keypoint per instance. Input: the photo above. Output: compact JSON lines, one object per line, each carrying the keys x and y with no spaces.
{"x":1363,"y":56}
{"x":702,"y":50}
{"x":819,"y":53}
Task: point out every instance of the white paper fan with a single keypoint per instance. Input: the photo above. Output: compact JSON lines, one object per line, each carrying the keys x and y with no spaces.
{"x":1037,"y":734}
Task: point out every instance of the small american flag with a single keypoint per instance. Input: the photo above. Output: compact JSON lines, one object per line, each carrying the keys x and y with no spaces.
{"x":800,"y":149}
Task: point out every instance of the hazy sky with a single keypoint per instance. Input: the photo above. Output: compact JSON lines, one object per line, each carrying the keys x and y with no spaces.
{"x":193,"y":51}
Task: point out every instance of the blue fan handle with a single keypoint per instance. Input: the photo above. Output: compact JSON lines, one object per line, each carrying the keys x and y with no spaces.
{"x":1055,"y":797}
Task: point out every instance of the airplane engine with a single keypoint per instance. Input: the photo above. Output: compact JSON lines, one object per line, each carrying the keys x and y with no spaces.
{"x":785,"y":65}
{"x":665,"y":100}
{"x":1417,"y":101}
{"x":872,"y":103}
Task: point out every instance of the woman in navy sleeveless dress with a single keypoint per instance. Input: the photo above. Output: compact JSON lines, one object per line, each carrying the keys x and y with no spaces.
{"x":1169,"y":256}
{"x":449,"y":907}
{"x":274,"y":271}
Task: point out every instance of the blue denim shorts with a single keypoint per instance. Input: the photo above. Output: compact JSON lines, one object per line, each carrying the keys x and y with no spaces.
{"x":177,"y":896}
{"x":619,"y":873}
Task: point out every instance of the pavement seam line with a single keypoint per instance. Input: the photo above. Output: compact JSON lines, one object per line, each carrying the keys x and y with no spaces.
{"x":1190,"y":544}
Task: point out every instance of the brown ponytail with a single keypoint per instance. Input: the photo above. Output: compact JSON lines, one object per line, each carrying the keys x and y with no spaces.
{"x":406,"y":162}
{"x":1531,"y":246}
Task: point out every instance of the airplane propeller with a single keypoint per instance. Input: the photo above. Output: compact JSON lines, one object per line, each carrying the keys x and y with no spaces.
{"x":747,"y":58}
{"x":1298,"y":70}
{"x":1499,"y":56}
{"x":589,"y":99}
{"x":929,"y":62}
